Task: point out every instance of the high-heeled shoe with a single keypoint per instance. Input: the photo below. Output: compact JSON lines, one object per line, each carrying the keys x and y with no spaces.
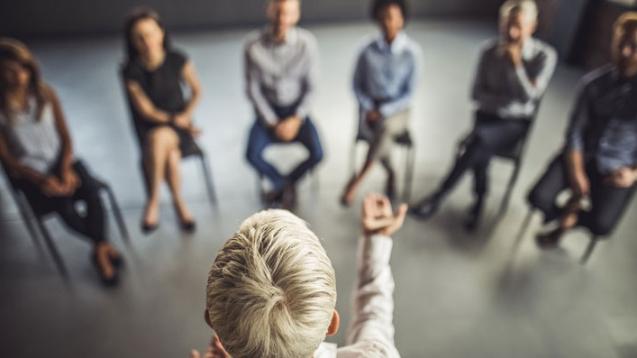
{"x":106,"y":281}
{"x":148,"y":228}
{"x":188,"y":226}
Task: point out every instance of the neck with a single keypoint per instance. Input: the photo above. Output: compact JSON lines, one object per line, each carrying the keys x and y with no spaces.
{"x":280,"y":35}
{"x":630,"y":72}
{"x":390,"y":38}
{"x":154,"y":59}
{"x":17,"y":97}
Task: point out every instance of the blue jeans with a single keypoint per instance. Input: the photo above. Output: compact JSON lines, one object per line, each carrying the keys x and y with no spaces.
{"x":261,"y":137}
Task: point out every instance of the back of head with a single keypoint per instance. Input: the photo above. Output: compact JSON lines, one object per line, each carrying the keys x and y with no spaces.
{"x":271,"y":290}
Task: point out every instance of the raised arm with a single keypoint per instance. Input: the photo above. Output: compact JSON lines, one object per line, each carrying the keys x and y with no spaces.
{"x":533,"y":87}
{"x":480,"y":92}
{"x":372,"y":327}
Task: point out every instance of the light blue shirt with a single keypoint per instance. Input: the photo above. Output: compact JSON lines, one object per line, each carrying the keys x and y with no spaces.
{"x":386,"y":75}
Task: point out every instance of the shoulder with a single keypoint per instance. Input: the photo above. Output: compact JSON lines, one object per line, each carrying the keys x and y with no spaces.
{"x":177,"y":58}
{"x":132,"y":70}
{"x":412,"y":48}
{"x":489,"y":48}
{"x":544,"y":49}
{"x":306,"y":37}
{"x":253,"y":40}
{"x":596,"y":77}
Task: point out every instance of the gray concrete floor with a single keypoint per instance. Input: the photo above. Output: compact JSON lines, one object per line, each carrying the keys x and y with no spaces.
{"x":457,"y":295}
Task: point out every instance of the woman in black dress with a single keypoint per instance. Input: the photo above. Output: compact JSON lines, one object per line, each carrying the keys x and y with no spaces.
{"x":154,"y":74}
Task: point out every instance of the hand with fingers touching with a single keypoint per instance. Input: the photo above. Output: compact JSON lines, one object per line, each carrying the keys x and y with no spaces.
{"x":215,"y":350}
{"x":378,"y":217}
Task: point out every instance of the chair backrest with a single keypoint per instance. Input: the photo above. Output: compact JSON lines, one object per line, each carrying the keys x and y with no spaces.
{"x":131,"y":109}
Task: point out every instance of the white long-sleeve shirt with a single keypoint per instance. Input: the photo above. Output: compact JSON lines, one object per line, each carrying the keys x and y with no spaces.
{"x":371,"y":333}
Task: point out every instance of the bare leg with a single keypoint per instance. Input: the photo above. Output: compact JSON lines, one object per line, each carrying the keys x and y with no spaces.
{"x":161,"y":142}
{"x":173,"y":177}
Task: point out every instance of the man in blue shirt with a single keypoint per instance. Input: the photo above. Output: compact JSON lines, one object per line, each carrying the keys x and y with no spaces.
{"x":384,"y":81}
{"x":599,"y":161}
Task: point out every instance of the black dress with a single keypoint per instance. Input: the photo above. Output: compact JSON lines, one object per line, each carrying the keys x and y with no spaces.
{"x":163,"y":86}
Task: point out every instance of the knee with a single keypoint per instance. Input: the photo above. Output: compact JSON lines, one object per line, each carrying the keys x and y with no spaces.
{"x":253,"y":156}
{"x":316,"y":155}
{"x":540,"y":199}
{"x":601,"y":226}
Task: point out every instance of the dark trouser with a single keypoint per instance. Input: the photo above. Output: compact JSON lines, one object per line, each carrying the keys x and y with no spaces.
{"x":261,"y":137}
{"x":491,"y":134}
{"x":608,"y":203}
{"x":91,"y":224}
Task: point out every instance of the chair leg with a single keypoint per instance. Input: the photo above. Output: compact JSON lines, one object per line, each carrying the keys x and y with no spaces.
{"x":27,"y":217}
{"x":504,"y":206}
{"x":589,"y":250}
{"x":118,"y":214}
{"x":409,"y":174}
{"x":59,"y":263}
{"x":524,"y":227}
{"x":208,"y":178}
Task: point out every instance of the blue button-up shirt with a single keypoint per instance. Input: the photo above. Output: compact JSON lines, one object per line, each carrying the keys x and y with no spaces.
{"x":604,"y":121}
{"x":386,"y":74}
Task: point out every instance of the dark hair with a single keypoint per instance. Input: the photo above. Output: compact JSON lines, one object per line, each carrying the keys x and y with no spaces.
{"x":380,"y":5}
{"x":133,"y":17}
{"x":14,"y":50}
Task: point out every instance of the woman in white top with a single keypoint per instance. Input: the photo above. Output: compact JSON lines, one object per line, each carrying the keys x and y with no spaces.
{"x":36,"y":151}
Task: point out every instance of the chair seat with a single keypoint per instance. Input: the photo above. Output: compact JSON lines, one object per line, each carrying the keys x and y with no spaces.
{"x":401,"y":139}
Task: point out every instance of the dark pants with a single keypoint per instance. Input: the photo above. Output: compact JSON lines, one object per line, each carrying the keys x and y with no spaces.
{"x":91,"y":224}
{"x":608,"y":203}
{"x":261,"y":137}
{"x":491,"y":134}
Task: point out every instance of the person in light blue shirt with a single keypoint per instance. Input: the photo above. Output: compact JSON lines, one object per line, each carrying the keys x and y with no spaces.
{"x":384,"y":82}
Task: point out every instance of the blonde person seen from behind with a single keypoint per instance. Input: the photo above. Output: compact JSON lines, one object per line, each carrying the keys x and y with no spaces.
{"x":272,"y":290}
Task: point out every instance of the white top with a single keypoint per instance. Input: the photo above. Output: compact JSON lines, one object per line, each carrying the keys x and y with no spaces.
{"x":34,"y":142}
{"x":371,"y":333}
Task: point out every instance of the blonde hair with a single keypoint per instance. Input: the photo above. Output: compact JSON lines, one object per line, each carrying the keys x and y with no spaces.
{"x":626,"y":23}
{"x":527,"y":7}
{"x":271,"y":289}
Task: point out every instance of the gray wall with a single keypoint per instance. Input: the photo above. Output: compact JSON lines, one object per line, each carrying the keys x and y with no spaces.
{"x":79,"y":17}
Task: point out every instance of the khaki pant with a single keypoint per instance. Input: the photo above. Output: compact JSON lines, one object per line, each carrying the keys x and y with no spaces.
{"x":381,"y":137}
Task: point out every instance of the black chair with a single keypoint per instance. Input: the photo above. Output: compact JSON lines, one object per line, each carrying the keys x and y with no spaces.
{"x":193,"y":151}
{"x":592,"y":243}
{"x":514,"y":155}
{"x":403,"y":140}
{"x":29,"y":213}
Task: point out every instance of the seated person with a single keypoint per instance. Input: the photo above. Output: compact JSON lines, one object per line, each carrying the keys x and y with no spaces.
{"x":153,"y":76}
{"x":513,"y":74}
{"x":36,"y":150}
{"x":599,"y":162}
{"x":384,"y":82}
{"x":272,"y":289}
{"x":280,"y":71}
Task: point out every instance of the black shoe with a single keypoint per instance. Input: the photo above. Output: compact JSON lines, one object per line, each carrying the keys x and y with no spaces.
{"x":272,"y":198}
{"x":149,"y":228}
{"x":288,"y":201}
{"x":550,"y":239}
{"x":426,"y":209}
{"x":473,"y":219}
{"x":188,"y":226}
{"x":106,"y":281}
{"x":390,"y":188}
